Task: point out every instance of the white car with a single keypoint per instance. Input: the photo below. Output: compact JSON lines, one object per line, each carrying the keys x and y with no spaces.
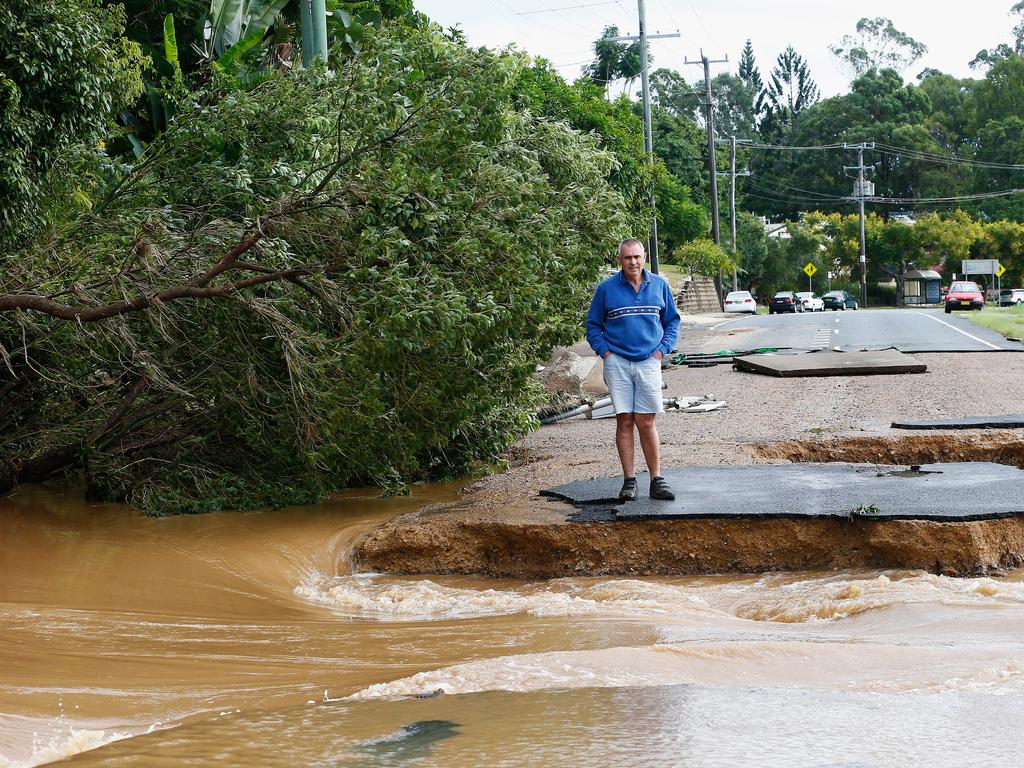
{"x":811,"y":301}
{"x":740,"y":301}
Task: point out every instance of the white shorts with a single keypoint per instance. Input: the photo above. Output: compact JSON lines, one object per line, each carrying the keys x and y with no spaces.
{"x":634,"y":386}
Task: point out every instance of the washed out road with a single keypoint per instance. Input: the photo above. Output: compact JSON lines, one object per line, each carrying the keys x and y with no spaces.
{"x":908,"y":330}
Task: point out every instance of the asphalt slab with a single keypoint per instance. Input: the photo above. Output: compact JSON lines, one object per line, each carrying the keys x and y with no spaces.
{"x":958,"y":492}
{"x":1009,"y":421}
{"x":884,"y":361}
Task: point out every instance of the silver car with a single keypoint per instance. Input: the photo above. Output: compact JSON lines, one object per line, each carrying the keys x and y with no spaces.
{"x":811,"y":301}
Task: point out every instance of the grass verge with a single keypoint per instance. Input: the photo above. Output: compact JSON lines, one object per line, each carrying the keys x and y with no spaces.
{"x":1008,"y":321}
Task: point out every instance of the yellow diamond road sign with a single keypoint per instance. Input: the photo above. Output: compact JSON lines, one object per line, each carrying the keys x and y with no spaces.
{"x":999,"y":272}
{"x":810,"y":269}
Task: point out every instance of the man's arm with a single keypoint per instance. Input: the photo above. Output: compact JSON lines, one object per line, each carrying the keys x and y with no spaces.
{"x":670,"y":322}
{"x":595,"y":324}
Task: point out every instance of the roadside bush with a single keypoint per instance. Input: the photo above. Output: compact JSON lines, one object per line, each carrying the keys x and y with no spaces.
{"x":65,"y":68}
{"x":343,"y":276}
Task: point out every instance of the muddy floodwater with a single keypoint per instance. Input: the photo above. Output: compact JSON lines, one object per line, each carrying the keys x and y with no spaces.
{"x":244,"y":639}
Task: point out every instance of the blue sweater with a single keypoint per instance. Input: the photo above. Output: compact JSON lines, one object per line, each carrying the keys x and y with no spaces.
{"x":633,"y":324}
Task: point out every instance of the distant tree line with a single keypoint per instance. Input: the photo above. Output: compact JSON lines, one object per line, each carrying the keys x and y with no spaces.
{"x":941,"y":144}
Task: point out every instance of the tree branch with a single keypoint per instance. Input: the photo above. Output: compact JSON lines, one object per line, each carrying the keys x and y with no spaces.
{"x":81,"y":314}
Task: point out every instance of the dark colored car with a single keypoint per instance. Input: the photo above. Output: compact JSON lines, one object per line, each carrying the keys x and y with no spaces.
{"x":964,"y":295}
{"x":1011,"y":297}
{"x":785,"y":301}
{"x":836,"y":300}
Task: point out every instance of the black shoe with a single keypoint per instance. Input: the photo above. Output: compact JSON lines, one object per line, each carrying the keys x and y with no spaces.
{"x":628,"y":490}
{"x":660,"y":489}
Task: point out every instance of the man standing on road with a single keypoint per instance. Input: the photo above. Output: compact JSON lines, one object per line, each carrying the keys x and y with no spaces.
{"x":632,"y":324}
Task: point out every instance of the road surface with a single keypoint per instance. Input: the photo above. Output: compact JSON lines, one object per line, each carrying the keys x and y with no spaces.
{"x":908,"y":330}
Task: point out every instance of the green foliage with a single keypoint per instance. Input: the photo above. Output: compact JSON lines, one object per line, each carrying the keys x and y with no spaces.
{"x":66,"y":69}
{"x":703,"y":257}
{"x":614,"y":60}
{"x":437,"y":240}
{"x":145,"y":26}
{"x":752,"y":247}
{"x":234,"y":20}
{"x":1004,"y":241}
{"x":681,"y":145}
{"x":790,"y":90}
{"x":542,"y":91}
{"x":679,"y":218}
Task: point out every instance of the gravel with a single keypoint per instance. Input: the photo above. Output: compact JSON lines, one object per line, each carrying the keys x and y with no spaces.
{"x":763,"y":408}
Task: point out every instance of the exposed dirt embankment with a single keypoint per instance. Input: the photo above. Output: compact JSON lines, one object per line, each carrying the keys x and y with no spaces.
{"x":452,"y":544}
{"x":531,"y":537}
{"x":1000,"y":447}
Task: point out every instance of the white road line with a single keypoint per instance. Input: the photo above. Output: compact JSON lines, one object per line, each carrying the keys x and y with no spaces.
{"x":726,"y":321}
{"x":958,"y":330}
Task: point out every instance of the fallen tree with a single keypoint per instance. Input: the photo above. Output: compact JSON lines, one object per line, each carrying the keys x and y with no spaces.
{"x":343,"y":276}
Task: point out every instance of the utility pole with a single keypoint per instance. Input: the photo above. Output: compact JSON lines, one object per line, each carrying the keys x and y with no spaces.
{"x":643,"y":37}
{"x":861,"y":190}
{"x":732,"y":198}
{"x":709,"y":111}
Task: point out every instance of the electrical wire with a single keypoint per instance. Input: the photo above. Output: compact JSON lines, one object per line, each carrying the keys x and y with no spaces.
{"x":918,"y":154}
{"x":784,"y":147}
{"x":955,"y":199}
{"x":793,"y":199}
{"x":558,"y":12}
{"x":566,"y":8}
{"x":910,"y":154}
{"x":780,"y":185}
{"x":701,"y":22}
{"x":513,"y":13}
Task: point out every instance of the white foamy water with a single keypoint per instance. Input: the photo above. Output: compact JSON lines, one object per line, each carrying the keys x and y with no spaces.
{"x":770,"y":598}
{"x":836,"y":666}
{"x":842,"y":596}
{"x":389,"y":599}
{"x":52,"y":741}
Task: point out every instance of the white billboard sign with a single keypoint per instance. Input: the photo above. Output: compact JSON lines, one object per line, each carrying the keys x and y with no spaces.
{"x":980,"y":266}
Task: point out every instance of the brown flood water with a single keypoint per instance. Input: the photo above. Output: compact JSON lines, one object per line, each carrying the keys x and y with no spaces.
{"x":242,"y":639}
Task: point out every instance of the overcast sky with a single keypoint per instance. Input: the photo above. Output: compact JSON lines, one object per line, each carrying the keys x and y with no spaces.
{"x":565,"y":35}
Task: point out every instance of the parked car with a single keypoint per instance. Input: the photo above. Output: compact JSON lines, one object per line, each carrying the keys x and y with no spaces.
{"x":740,"y":301}
{"x":784,"y":301}
{"x":1011,"y":297}
{"x":836,"y":300}
{"x":964,"y":295}
{"x":811,"y":301}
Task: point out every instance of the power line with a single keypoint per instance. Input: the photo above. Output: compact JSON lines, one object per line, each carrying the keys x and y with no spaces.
{"x":777,"y":189}
{"x":910,"y":154}
{"x":782,"y":196}
{"x":565,"y":8}
{"x":918,"y":154}
{"x":954,"y":199}
{"x":780,"y":185}
{"x":701,"y":22}
{"x":784,"y":147}
{"x":558,"y":11}
{"x":766,"y":195}
{"x":513,"y":13}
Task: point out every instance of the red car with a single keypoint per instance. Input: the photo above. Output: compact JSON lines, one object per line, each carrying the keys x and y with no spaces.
{"x":964,"y":295}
